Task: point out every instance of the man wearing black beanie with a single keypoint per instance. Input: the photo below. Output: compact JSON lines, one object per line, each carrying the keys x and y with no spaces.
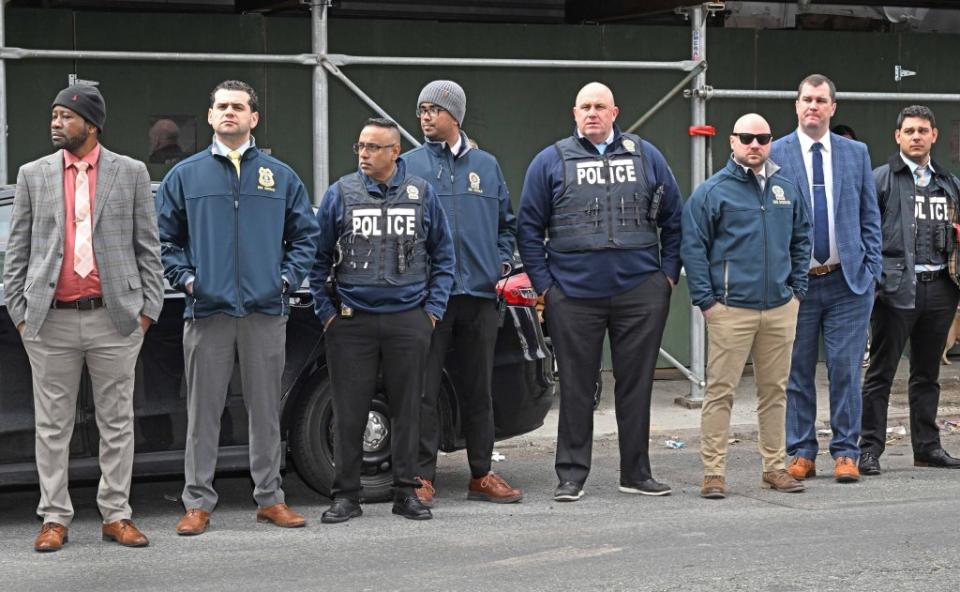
{"x":84,"y":228}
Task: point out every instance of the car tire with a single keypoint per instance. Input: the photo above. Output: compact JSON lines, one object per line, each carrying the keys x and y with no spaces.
{"x":312,"y":437}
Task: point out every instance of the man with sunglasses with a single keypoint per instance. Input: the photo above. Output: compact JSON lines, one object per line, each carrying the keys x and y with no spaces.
{"x":599,"y":235}
{"x":746,"y":250}
{"x":835,"y":177}
{"x":917,"y":297}
{"x":474,"y":196}
{"x":384,"y":238}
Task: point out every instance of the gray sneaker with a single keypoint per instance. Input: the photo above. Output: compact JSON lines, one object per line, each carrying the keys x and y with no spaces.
{"x":568,"y":491}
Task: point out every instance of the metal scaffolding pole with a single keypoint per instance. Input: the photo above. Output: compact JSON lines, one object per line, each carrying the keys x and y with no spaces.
{"x":716,"y":93}
{"x":321,"y":96}
{"x":348,"y":60}
{"x":698,"y":174}
{"x":3,"y":100}
{"x":17,"y":53}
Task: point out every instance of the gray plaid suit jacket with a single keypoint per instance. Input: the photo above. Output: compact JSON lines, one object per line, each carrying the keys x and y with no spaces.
{"x":125,"y":242}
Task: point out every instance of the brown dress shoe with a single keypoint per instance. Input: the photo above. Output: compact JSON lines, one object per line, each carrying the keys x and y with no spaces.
{"x":124,"y":533}
{"x":281,"y":515}
{"x":714,"y":487}
{"x":492,"y":488}
{"x":425,"y":492}
{"x":781,"y":480}
{"x":801,"y":468}
{"x":845,"y":470}
{"x":51,"y":538}
{"x":194,"y":522}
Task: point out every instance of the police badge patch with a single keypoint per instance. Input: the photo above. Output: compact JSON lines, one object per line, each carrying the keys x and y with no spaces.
{"x":266,"y":181}
{"x":474,"y":182}
{"x":413,"y":192}
{"x":629,"y":145}
{"x":778,"y":196}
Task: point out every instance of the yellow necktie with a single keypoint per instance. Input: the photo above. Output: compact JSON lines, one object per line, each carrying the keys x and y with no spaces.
{"x":82,"y":241}
{"x":235,"y":159}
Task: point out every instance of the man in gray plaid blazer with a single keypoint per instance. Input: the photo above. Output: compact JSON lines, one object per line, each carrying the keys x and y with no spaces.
{"x":83,"y":282}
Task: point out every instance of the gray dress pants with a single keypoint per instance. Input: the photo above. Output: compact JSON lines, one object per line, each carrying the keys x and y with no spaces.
{"x":210,"y":345}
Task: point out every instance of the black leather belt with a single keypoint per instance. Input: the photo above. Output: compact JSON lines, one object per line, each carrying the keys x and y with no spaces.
{"x":929,"y":276}
{"x":81,"y":304}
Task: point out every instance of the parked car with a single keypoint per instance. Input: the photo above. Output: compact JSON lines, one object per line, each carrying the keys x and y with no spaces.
{"x":523,"y":390}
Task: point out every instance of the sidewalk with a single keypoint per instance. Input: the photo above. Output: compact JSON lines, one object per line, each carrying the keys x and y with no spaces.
{"x":670,"y":420}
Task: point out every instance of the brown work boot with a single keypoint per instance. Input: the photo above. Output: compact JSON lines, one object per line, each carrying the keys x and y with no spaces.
{"x":281,"y":515}
{"x":845,"y":470}
{"x":492,"y":488}
{"x":51,"y":538}
{"x":425,"y":492}
{"x":124,"y":533}
{"x":801,"y":468}
{"x":194,"y":522}
{"x":781,"y":480}
{"x":714,"y":487}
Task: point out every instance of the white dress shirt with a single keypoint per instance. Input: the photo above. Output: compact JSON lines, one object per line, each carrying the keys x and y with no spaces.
{"x":806,"y":148}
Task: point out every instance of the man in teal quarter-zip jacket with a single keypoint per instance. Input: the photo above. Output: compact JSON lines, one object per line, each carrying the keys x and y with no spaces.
{"x":746,"y":251}
{"x":474,"y":197}
{"x":237,"y":236}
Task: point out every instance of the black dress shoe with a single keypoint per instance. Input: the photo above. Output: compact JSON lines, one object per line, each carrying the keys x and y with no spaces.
{"x":937,"y":458}
{"x":568,"y":491}
{"x":648,"y":487}
{"x":869,"y":464}
{"x":411,"y":507}
{"x":343,"y":509}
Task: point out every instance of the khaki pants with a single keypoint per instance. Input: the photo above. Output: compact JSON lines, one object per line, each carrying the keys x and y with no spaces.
{"x":735,"y":333}
{"x":67,"y":339}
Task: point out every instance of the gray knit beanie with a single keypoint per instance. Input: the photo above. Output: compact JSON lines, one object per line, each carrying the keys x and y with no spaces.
{"x":447,"y":94}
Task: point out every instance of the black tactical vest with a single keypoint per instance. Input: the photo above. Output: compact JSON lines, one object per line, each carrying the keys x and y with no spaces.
{"x":381,"y":243}
{"x":606,"y":202}
{"x":933,"y":225}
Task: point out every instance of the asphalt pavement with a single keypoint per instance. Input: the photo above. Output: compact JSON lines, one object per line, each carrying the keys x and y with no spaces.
{"x":896,"y":532}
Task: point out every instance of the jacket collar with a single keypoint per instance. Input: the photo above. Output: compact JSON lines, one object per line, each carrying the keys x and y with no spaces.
{"x":398,"y":176}
{"x":897,"y":165}
{"x":438,"y":147}
{"x":770,"y":169}
{"x":615,"y":142}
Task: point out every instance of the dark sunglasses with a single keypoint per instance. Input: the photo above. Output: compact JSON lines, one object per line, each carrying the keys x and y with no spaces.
{"x":747,"y":139}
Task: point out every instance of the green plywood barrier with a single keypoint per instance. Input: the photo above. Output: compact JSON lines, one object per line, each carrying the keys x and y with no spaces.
{"x":513,"y":113}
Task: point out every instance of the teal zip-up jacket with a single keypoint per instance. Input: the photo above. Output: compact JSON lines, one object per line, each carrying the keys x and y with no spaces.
{"x":237,"y":238}
{"x":474,"y":197}
{"x":745,"y":247}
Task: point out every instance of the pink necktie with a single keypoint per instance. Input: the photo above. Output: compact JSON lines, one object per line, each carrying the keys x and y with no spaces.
{"x":82,"y":243}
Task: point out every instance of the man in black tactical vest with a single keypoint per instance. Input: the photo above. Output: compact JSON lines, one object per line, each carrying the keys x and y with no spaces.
{"x":589,"y":216}
{"x":917,"y":296}
{"x":384,"y":236}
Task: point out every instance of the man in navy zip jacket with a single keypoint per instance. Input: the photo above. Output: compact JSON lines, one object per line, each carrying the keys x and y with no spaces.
{"x":746,"y":250}
{"x":384,"y":237}
{"x":589,"y":216}
{"x":474,"y":197}
{"x":237,"y":233}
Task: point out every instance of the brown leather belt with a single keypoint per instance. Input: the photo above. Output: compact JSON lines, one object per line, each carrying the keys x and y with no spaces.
{"x":82,"y":304}
{"x":823,"y":269}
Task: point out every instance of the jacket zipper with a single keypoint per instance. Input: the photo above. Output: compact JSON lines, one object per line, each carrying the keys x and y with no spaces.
{"x":726,"y":283}
{"x":609,"y":204}
{"x":236,"y":233}
{"x":763,"y":228}
{"x":456,"y":219}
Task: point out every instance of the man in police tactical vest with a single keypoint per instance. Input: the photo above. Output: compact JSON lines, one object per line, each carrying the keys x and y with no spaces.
{"x":917,"y":296}
{"x":384,"y":237}
{"x":589,"y":213}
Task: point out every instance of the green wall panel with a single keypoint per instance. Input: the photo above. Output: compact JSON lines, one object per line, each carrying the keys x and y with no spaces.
{"x":514,"y":113}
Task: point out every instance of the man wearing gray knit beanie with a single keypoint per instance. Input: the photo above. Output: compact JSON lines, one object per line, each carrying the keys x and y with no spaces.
{"x":474,"y":196}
